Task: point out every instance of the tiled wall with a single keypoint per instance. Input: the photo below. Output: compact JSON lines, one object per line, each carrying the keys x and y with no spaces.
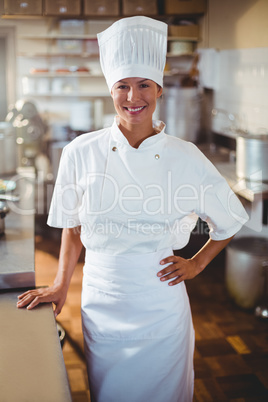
{"x":239,"y":78}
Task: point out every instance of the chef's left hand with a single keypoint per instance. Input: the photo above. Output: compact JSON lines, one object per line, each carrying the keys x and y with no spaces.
{"x":179,"y":270}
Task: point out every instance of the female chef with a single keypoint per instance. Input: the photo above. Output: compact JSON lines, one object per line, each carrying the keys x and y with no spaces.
{"x":131,"y":194}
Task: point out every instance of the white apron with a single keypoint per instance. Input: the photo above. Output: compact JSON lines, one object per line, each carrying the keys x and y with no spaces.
{"x":138,"y":332}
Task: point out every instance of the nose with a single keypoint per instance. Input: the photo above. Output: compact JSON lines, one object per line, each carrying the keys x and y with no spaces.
{"x":133,"y":94}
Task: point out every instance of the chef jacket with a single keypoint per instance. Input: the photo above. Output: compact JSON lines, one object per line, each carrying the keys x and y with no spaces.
{"x":130,"y":200}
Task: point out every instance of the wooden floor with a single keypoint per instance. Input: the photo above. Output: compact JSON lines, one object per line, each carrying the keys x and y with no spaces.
{"x":231,"y":352}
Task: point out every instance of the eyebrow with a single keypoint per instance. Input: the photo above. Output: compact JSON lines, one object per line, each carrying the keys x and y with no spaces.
{"x":125,"y":82}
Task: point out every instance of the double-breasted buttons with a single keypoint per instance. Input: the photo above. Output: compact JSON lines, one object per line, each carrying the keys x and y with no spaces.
{"x":114,"y":149}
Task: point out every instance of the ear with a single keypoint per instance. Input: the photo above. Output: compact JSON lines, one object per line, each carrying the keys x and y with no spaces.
{"x":159,"y":91}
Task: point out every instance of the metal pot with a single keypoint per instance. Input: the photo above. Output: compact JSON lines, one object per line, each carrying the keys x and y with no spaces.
{"x":252,"y":157}
{"x":246,"y":267}
{"x":8,"y":145}
{"x":180,"y":109}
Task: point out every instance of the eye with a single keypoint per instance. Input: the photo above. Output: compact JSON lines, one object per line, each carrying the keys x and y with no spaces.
{"x":144,"y":85}
{"x":122,"y":86}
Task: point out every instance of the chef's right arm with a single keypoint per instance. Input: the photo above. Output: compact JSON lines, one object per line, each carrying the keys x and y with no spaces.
{"x":70,"y":250}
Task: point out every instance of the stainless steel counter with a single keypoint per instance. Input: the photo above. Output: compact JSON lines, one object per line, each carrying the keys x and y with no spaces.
{"x":31,"y":361}
{"x":17,"y":244}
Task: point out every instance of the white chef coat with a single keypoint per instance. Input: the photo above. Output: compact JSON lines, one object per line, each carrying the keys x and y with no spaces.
{"x":140,"y":200}
{"x":134,"y":206}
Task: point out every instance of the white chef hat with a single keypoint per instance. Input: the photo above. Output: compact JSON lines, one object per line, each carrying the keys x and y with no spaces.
{"x":133,"y":47}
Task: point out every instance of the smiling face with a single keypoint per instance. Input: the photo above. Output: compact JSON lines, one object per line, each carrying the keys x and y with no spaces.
{"x":135,"y":101}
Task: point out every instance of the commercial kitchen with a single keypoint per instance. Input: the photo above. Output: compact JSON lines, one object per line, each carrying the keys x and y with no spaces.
{"x":215,"y":95}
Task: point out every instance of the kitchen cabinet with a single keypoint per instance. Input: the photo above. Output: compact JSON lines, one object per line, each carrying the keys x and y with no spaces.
{"x":62,"y":7}
{"x":29,"y":7}
{"x":185,"y":7}
{"x":102,"y":8}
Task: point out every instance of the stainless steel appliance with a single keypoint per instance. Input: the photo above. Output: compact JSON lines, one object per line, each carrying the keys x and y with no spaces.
{"x":7,"y":149}
{"x":246,"y":270}
{"x":252,"y":157}
{"x":180,"y":109}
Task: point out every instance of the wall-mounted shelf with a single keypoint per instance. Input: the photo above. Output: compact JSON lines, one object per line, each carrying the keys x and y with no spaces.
{"x":70,"y":94}
{"x":58,"y":36}
{"x":173,"y":55}
{"x":86,"y":54}
{"x":51,"y":55}
{"x":91,"y":37}
{"x":63,"y":75}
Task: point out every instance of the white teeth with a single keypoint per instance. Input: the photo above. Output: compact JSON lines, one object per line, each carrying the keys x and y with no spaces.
{"x":135,"y":109}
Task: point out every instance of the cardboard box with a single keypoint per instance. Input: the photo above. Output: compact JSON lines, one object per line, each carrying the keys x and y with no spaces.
{"x":101,"y":7}
{"x":184,"y":31}
{"x":185,"y":6}
{"x":62,"y":7}
{"x":17,"y":7}
{"x":140,"y":7}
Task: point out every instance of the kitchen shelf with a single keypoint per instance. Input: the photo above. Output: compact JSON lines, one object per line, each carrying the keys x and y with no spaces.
{"x":88,"y":55}
{"x":70,"y":94}
{"x":58,"y":36}
{"x":50,"y":55}
{"x":183,"y":39}
{"x":88,"y":75}
{"x":173,"y":55}
{"x":175,"y":73}
{"x":91,"y":37}
{"x":63,"y":75}
{"x":161,"y":17}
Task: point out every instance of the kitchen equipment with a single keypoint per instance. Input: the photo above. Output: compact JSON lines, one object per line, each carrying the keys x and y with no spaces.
{"x":3,"y":211}
{"x":81,"y":116}
{"x":246,"y":265}
{"x":29,"y":128}
{"x":180,"y":110}
{"x":7,"y":149}
{"x":252,"y":157}
{"x":9,"y":197}
{"x":7,"y":185}
{"x":261,"y":310}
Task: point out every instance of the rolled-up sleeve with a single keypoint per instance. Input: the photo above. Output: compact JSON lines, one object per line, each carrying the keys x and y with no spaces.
{"x":67,"y":195}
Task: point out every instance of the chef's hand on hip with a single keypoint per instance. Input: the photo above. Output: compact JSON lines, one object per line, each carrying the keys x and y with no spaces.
{"x":178,"y":271}
{"x":54,"y":294}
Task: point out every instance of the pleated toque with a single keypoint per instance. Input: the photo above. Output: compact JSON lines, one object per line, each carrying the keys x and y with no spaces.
{"x":133,"y":47}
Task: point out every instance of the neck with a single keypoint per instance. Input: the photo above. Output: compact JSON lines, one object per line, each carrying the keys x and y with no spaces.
{"x":136,"y":134}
